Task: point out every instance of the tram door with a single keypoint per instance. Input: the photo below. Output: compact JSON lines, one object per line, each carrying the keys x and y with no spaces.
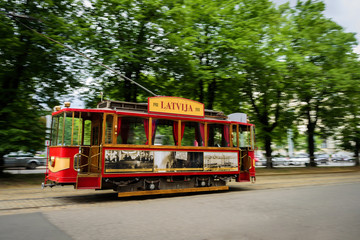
{"x":94,"y":156}
{"x":90,"y":175}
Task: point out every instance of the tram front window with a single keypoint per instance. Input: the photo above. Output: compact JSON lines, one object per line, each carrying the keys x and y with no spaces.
{"x":67,"y":129}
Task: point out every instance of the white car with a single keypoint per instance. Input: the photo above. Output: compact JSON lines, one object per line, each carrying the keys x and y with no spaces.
{"x":299,"y":159}
{"x":21,"y":159}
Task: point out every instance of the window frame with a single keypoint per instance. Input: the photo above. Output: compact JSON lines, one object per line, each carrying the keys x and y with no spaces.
{"x":180,"y":121}
{"x":76,"y":136}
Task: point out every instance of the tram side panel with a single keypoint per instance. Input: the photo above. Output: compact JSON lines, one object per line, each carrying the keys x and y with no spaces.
{"x":149,"y":169}
{"x":61,"y":165}
{"x":132,"y":163}
{"x":140,"y":160}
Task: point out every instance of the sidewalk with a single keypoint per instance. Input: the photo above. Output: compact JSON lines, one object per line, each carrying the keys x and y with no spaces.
{"x":304,"y":170}
{"x":35,"y":180}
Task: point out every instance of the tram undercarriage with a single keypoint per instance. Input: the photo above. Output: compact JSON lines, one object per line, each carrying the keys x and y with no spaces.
{"x":166,"y":185}
{"x":142,"y":184}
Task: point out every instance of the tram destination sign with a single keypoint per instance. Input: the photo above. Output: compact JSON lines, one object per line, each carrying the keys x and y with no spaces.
{"x":175,"y":106}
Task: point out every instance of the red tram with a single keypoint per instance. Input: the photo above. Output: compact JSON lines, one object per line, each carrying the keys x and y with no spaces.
{"x":167,"y":145}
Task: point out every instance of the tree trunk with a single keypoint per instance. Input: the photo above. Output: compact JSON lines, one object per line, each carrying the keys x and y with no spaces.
{"x":11,"y":83}
{"x":128,"y":86}
{"x":1,"y":164}
{"x":356,"y":152}
{"x":211,"y":94}
{"x":268,"y":151}
{"x":201,"y":89}
{"x":311,"y":144}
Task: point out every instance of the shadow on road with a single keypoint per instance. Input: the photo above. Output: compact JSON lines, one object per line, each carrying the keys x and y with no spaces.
{"x":112,"y":197}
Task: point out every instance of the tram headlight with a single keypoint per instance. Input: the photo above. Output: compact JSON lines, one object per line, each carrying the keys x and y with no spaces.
{"x":67,"y":104}
{"x":52,"y":161}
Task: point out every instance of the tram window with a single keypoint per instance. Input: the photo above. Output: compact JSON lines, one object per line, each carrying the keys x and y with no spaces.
{"x":68,"y":129}
{"x":164,"y":133}
{"x":77,"y":131}
{"x":54,"y":130}
{"x":218,"y":135}
{"x":252,"y":137}
{"x":60,"y":131}
{"x":234,"y":136}
{"x":109,"y":128}
{"x":131,"y":131}
{"x":87,"y":132}
{"x":244,"y":137}
{"x":95,"y":135}
{"x":193,"y":134}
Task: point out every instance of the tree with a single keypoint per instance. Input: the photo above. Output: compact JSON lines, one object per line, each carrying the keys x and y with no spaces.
{"x":350,"y":134}
{"x":173,"y":47}
{"x":33,"y":71}
{"x":318,"y":63}
{"x":195,"y":32}
{"x":232,"y":54}
{"x":258,"y":32}
{"x":126,"y":35}
{"x":350,"y":124}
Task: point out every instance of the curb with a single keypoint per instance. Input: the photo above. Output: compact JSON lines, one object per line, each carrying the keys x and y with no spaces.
{"x":304,"y":173}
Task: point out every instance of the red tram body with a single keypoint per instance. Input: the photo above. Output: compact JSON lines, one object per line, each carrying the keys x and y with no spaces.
{"x":167,"y":145}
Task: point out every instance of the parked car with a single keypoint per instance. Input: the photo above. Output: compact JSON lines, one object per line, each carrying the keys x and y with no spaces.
{"x":260,"y":160}
{"x":340,"y":157}
{"x":322,"y":158}
{"x":21,"y":159}
{"x":299,"y":159}
{"x":280,"y":160}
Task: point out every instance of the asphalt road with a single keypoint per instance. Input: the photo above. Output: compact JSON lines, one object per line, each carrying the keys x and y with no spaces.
{"x":316,"y":206}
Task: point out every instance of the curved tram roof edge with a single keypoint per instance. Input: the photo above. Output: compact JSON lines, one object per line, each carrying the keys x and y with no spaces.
{"x":140,"y":110}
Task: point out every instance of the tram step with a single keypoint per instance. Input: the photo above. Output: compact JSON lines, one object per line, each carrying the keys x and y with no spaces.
{"x":88,"y":182}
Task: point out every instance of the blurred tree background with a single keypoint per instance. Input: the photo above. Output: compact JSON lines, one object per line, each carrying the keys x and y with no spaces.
{"x":283,"y":66}
{"x":34,"y":72}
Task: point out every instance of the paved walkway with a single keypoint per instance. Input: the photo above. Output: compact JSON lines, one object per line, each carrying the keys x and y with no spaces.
{"x":18,"y":200}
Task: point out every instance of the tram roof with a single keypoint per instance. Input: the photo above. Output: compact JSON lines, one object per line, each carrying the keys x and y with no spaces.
{"x":141,"y":110}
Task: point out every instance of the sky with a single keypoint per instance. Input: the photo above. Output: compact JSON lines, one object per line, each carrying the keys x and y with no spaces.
{"x":343,"y":12}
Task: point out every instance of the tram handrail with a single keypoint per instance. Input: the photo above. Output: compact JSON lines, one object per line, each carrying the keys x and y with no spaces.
{"x":94,"y":165}
{"x":77,"y":162}
{"x":88,"y":158}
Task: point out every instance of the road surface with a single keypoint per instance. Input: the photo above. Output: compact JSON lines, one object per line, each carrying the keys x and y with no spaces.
{"x":313,"y":206}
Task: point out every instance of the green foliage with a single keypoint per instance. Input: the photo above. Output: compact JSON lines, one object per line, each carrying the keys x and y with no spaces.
{"x":31,"y":64}
{"x":350,"y":129}
{"x":33,"y":70}
{"x":282,"y":66}
{"x":321,"y":54}
{"x":126,"y":36}
{"x":22,"y":128}
{"x":165,"y":134}
{"x":260,"y":45}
